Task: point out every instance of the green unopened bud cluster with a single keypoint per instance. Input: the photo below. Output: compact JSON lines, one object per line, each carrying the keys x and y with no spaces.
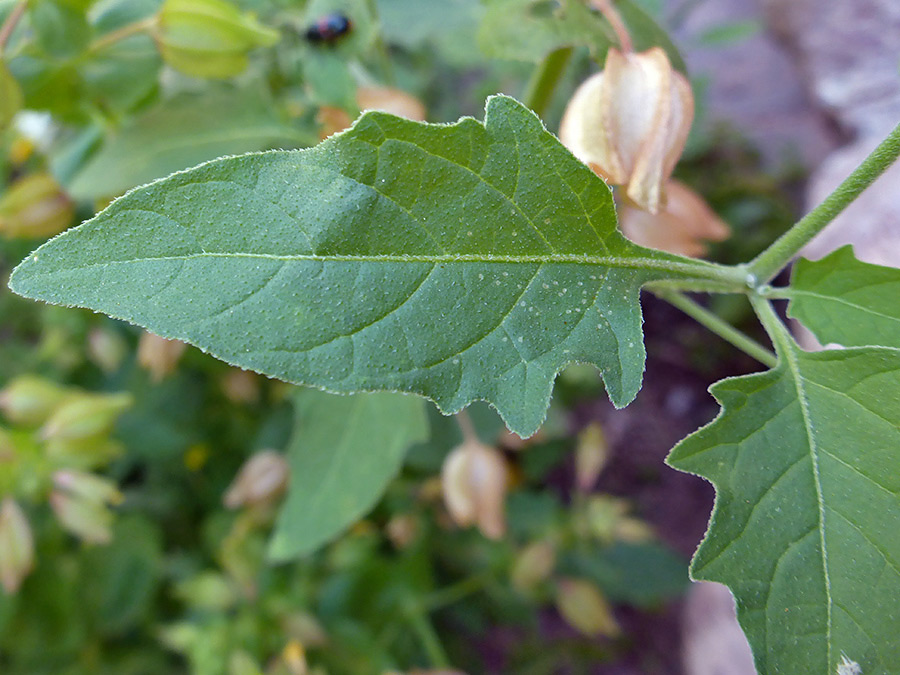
{"x":209,"y":38}
{"x":55,"y":438}
{"x":34,"y":206}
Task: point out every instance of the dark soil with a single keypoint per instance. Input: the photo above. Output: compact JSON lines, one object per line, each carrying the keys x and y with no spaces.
{"x":683,"y":361}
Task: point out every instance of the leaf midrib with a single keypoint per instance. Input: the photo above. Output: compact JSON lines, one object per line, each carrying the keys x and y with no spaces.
{"x":790,"y":358}
{"x":553,"y":259}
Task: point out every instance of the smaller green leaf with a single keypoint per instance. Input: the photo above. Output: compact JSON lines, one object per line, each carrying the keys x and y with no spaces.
{"x":61,"y":28}
{"x":526,"y":30}
{"x":344,"y":452}
{"x":123,"y":74}
{"x":805,"y":459}
{"x":50,"y":84}
{"x":182,"y":132}
{"x":412,"y":23}
{"x":644,"y":575}
{"x":843,"y":300}
{"x":328,"y":79}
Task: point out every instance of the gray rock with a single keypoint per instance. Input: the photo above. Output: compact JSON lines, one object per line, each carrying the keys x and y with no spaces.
{"x":850,"y":52}
{"x":713,"y":641}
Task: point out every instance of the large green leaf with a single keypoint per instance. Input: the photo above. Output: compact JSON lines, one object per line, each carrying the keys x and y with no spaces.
{"x":344,"y":452}
{"x":459,"y":262}
{"x":846,"y":301}
{"x":805,"y":459}
{"x":180,"y":133}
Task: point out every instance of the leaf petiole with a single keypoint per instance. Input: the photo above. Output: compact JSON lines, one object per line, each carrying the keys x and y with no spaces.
{"x":715,"y":324}
{"x":120,"y":34}
{"x":12,"y":20}
{"x":544,"y":79}
{"x":428,"y":637}
{"x":774,"y":326}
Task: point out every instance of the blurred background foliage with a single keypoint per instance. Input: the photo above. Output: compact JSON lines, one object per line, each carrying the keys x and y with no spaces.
{"x":117,"y":449}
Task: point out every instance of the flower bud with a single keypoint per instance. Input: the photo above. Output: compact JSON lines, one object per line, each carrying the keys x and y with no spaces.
{"x":242,"y":663}
{"x":294,"y":657}
{"x":7,"y":447}
{"x":10,"y":96}
{"x":591,"y":455}
{"x":585,"y":609}
{"x":682,"y":226}
{"x":533,"y":565}
{"x":88,"y":520}
{"x":474,"y":480}
{"x":107,"y":349}
{"x":304,"y":627}
{"x":83,"y":453}
{"x":30,"y":400}
{"x":209,"y":38}
{"x":207,"y":591}
{"x":159,"y":356}
{"x":390,"y":100}
{"x":331,"y":119}
{"x":260,"y":480}
{"x":85,"y":416}
{"x":607,"y":520}
{"x":35,"y":206}
{"x":87,"y":486}
{"x":241,"y":386}
{"x":630,"y":123}
{"x":16,"y":546}
{"x":402,"y":530}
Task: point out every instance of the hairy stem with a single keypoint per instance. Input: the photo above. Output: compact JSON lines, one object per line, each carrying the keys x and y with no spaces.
{"x":715,"y":324}
{"x":771,"y":322}
{"x":125,"y":31}
{"x":605,"y":7}
{"x":428,"y":637}
{"x":768,"y":263}
{"x":696,"y":286}
{"x":544,"y":79}
{"x":6,"y":30}
{"x":384,"y":56}
{"x":455,"y":592}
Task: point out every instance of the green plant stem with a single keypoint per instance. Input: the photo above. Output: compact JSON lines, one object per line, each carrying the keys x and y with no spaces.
{"x":775,"y":292}
{"x":768,"y":263}
{"x":423,"y":629}
{"x":738,"y":285}
{"x":6,"y":30}
{"x":125,"y":31}
{"x":544,"y":79}
{"x":455,"y":592}
{"x":715,"y":324}
{"x":771,"y":322}
{"x":384,"y":56}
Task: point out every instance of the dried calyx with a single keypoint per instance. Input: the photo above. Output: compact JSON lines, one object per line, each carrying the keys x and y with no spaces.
{"x":630,"y":123}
